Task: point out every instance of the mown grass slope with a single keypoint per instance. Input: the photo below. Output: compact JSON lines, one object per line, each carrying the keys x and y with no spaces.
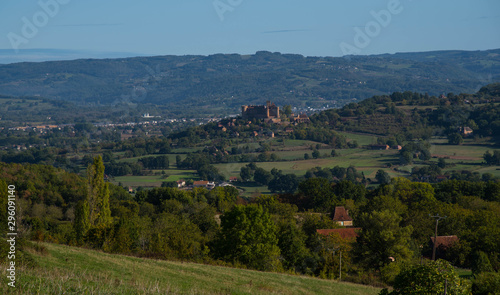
{"x":71,"y":270}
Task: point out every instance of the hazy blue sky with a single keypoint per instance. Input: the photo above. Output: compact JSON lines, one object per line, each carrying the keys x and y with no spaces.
{"x":314,"y":27}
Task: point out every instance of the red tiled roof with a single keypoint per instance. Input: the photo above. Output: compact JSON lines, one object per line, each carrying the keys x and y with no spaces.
{"x":200,"y":182}
{"x":345,"y":233}
{"x":445,"y":241}
{"x":341,"y":214}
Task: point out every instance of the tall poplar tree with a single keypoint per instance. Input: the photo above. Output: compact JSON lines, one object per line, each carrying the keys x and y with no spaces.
{"x":94,"y":210}
{"x":82,"y":222}
{"x":97,"y":194}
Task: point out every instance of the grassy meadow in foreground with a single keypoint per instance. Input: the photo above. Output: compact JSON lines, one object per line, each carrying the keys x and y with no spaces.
{"x":71,"y":270}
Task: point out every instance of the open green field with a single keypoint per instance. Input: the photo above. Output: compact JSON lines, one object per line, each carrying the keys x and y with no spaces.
{"x":279,"y":143}
{"x":171,"y":158}
{"x":186,"y":150}
{"x":289,"y":155}
{"x":155,"y":180}
{"x":466,"y":151}
{"x":297,"y":142}
{"x":364,"y":160}
{"x":71,"y":270}
{"x":362,"y":139}
{"x":468,"y":156}
{"x":251,"y":189}
{"x":135,"y":181}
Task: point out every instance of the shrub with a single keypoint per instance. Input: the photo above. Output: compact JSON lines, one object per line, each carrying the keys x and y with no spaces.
{"x":486,"y":283}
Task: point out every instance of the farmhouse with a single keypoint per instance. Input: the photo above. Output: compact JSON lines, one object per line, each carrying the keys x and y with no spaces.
{"x":181,"y":183}
{"x":204,"y":183}
{"x":341,"y":216}
{"x":302,"y":118}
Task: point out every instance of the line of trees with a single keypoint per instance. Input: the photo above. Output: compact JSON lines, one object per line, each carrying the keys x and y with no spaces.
{"x":158,"y":162}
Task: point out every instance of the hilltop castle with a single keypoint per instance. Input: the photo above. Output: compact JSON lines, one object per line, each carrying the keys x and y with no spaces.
{"x":268,"y":111}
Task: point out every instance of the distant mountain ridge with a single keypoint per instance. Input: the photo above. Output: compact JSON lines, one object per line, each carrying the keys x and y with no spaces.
{"x":227,"y":81}
{"x":8,"y":56}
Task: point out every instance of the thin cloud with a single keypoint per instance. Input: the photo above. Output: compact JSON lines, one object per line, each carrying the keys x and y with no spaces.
{"x":480,"y":18}
{"x":283,"y":31}
{"x":89,"y":25}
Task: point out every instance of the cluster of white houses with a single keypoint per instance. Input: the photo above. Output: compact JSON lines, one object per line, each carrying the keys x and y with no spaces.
{"x":205,"y":183}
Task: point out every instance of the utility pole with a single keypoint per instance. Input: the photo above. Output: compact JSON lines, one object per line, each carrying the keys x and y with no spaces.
{"x":340,"y":259}
{"x":438,"y":218}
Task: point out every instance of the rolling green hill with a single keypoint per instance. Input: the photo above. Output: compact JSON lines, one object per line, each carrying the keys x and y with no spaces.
{"x":227,"y":81}
{"x":70,"y":270}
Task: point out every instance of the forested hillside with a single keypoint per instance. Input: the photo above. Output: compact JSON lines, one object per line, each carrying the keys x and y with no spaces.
{"x":419,"y":115}
{"x":273,"y":232}
{"x":228,"y":81}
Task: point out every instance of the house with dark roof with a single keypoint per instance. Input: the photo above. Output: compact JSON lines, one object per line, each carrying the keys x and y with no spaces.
{"x":204,"y":183}
{"x":302,"y":118}
{"x":341,"y":216}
